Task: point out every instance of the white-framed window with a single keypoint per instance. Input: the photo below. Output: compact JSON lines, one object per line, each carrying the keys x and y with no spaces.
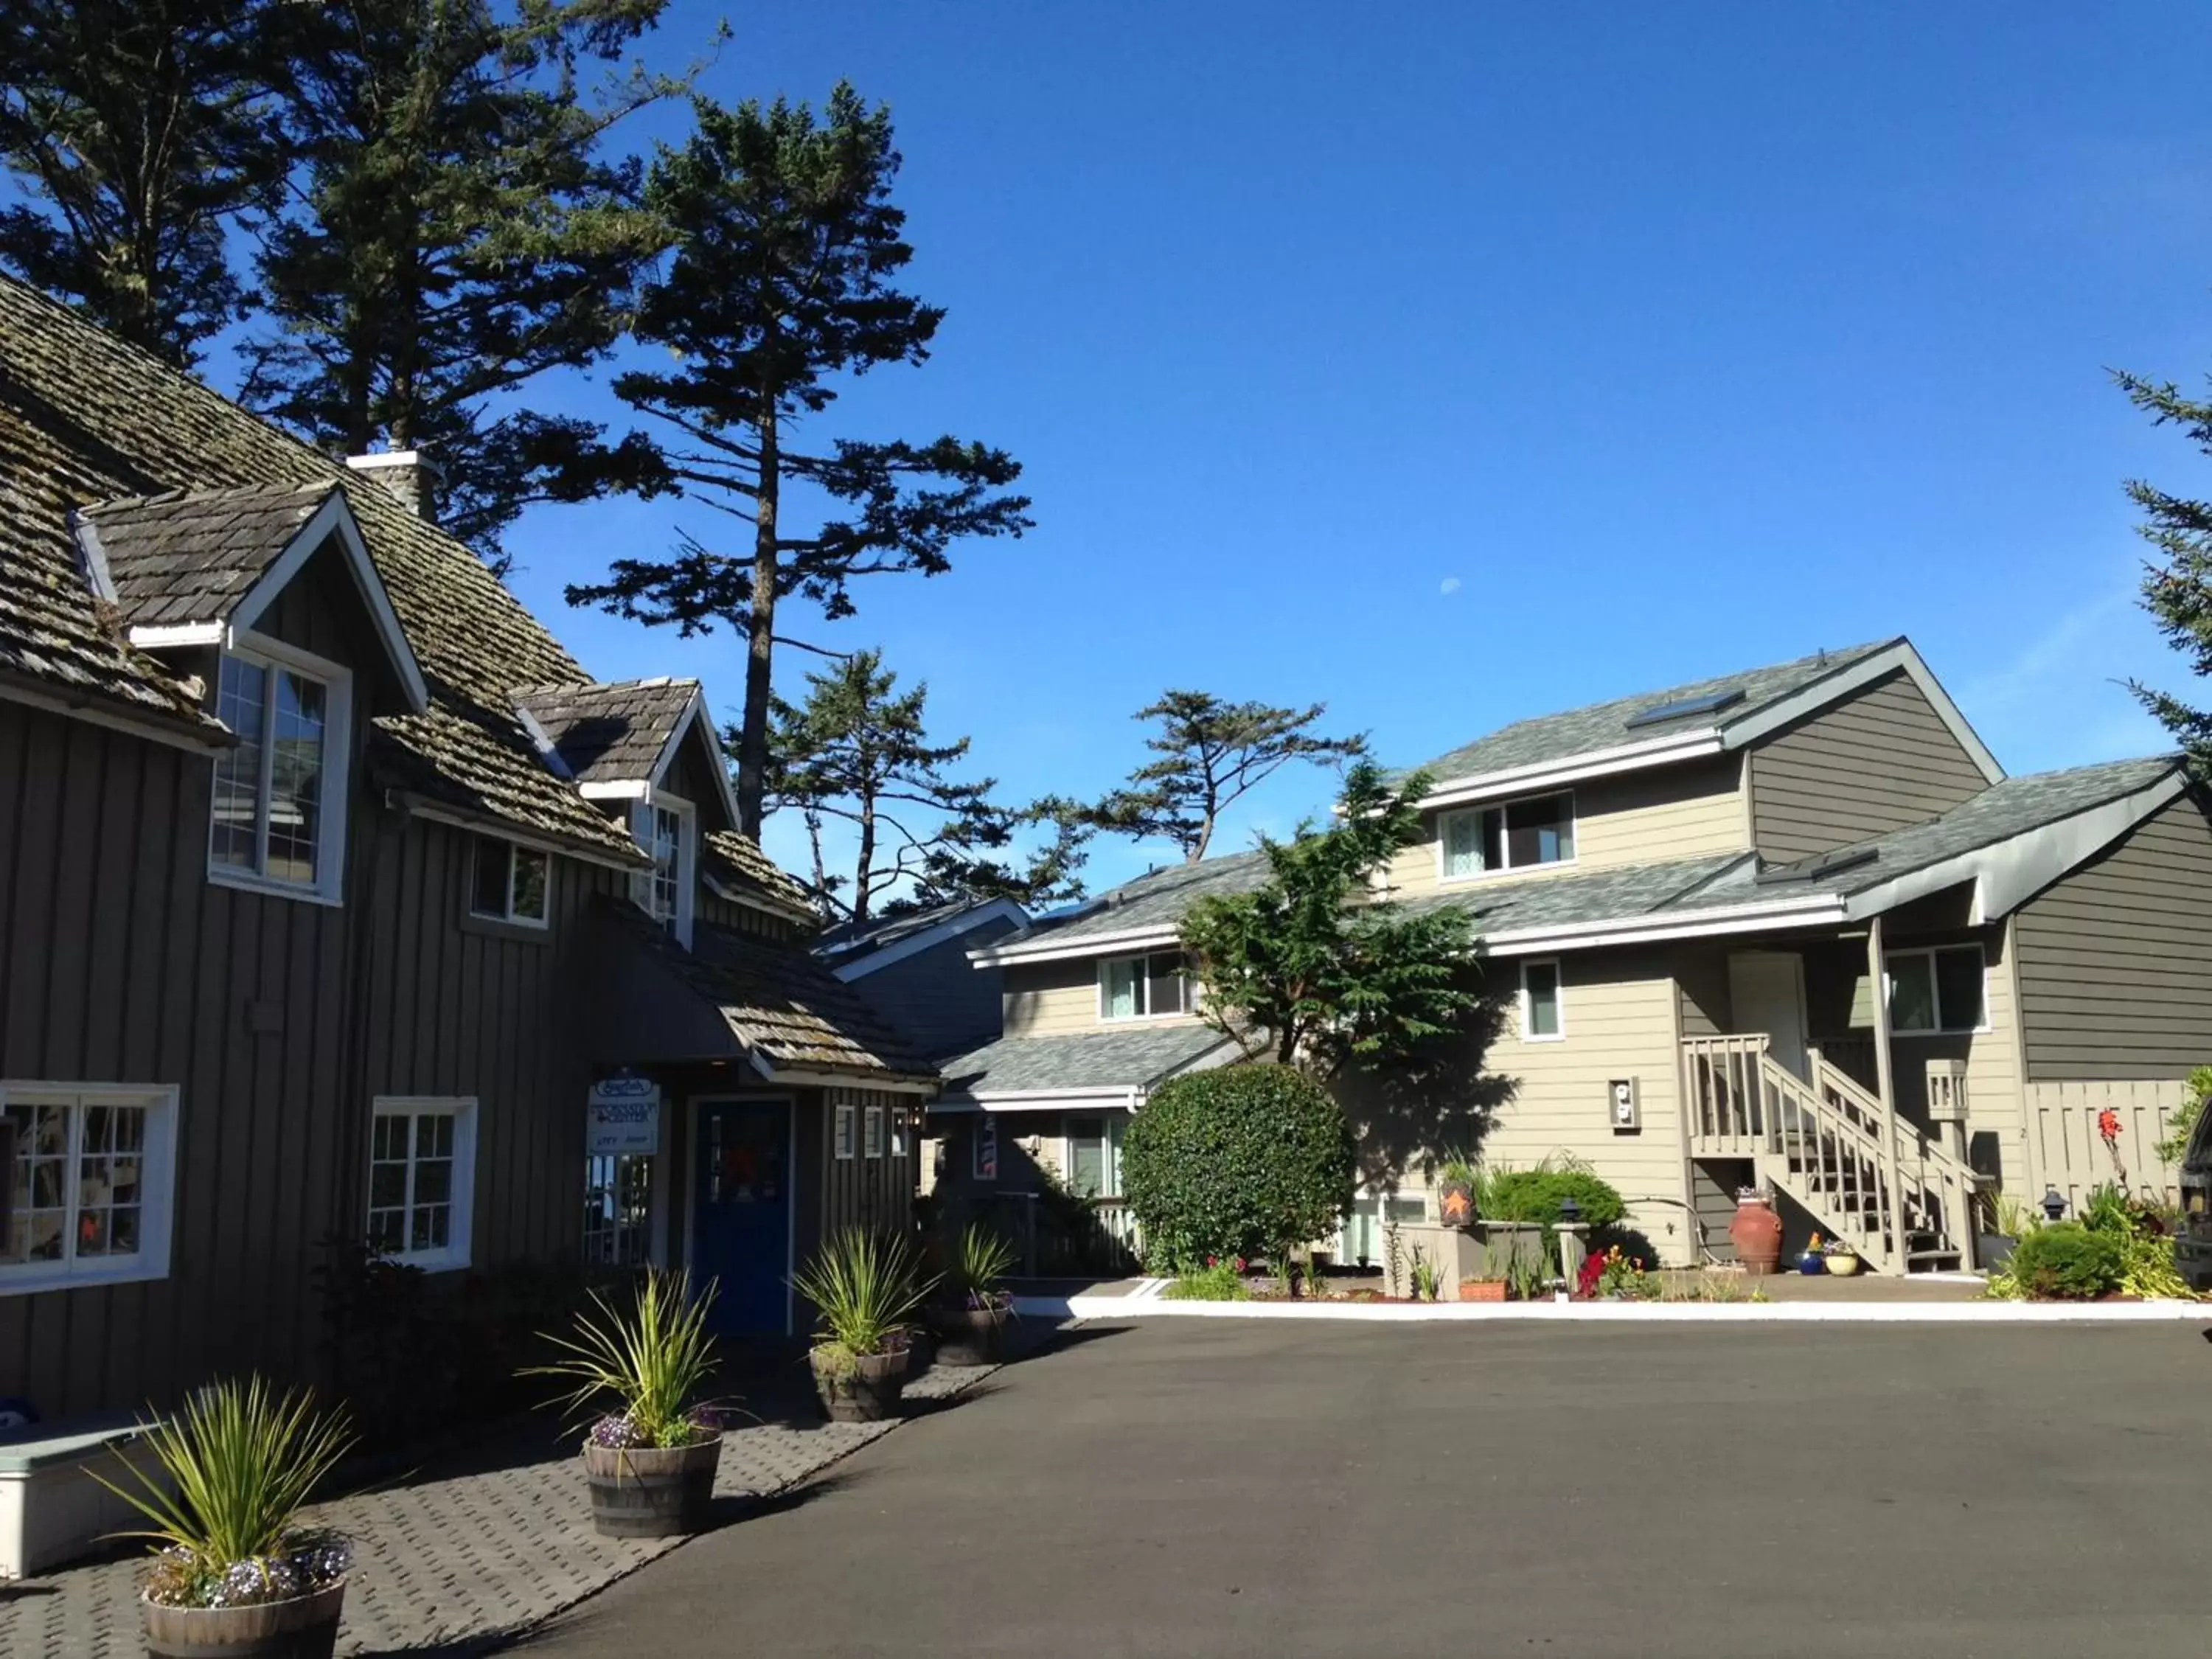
{"x":1518,"y":834}
{"x":90,"y":1172}
{"x":277,"y":822}
{"x":872,"y":1132}
{"x":668,"y":829}
{"x":1141,"y":988}
{"x":1094,"y":1157}
{"x":617,"y":1209}
{"x":843,"y":1115}
{"x":1937,"y":990}
{"x":421,"y":1179}
{"x":508,"y":882}
{"x":1541,"y":1017}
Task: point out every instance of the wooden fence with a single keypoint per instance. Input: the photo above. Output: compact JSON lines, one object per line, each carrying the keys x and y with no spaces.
{"x":2065,"y":1151}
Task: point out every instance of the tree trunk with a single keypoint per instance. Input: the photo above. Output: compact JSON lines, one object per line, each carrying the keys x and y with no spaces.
{"x":866,"y":866}
{"x":760,"y":655}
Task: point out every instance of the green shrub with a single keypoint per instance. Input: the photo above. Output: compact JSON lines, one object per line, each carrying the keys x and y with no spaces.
{"x":1218,"y":1281}
{"x":1536,"y":1195}
{"x":2067,"y":1262}
{"x":1243,"y":1161}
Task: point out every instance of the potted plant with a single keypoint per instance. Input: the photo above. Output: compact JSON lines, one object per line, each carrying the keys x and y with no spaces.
{"x":651,"y":1460}
{"x":1487,"y":1283}
{"x":1455,"y":1183}
{"x":969,"y":1319}
{"x":1756,"y":1231}
{"x":2004,"y":1224}
{"x":236,"y":1577}
{"x":1840,"y":1259}
{"x":1813,"y":1260}
{"x":865,"y":1292}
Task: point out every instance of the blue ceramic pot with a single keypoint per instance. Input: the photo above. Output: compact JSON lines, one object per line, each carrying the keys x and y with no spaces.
{"x":1809,"y":1265}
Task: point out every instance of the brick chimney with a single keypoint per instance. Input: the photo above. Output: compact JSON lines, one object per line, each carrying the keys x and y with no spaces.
{"x":411,"y":476}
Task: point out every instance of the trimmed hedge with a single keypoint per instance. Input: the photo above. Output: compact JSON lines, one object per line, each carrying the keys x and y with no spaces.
{"x":2067,"y":1262}
{"x":1242,"y":1161}
{"x":1536,"y":1195}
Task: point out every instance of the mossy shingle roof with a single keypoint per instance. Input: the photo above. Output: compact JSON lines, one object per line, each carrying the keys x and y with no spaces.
{"x":191,"y":555}
{"x":612,"y":732}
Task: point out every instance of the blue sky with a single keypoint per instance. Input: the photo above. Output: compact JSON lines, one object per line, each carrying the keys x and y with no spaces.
{"x":1453,"y":364}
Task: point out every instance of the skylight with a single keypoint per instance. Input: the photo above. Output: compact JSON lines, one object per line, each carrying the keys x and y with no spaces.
{"x":1710,"y":702}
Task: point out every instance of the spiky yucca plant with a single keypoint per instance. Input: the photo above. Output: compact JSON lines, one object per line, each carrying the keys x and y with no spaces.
{"x":866,"y":1288}
{"x":653,"y":1357}
{"x":981,"y":1256}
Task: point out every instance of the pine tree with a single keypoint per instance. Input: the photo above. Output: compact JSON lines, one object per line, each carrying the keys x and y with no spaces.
{"x":460,"y":232}
{"x":140,"y":131}
{"x":786,"y":242}
{"x":1211,"y":754}
{"x":858,"y":752}
{"x":2177,"y":587}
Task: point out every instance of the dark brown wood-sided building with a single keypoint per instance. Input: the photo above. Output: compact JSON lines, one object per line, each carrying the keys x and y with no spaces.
{"x":336,"y":900}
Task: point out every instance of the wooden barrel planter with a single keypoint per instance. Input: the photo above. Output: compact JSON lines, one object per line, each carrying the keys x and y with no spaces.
{"x":305,"y":1627}
{"x":867,"y":1390}
{"x":648,"y":1491}
{"x":969,"y":1336}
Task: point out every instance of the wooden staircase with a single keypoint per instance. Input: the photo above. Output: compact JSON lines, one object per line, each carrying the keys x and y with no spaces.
{"x":1900,"y":1198}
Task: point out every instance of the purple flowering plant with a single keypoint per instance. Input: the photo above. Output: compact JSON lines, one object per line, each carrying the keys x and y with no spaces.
{"x":649,"y":1359}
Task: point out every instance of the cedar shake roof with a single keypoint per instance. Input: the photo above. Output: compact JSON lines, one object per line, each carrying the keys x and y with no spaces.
{"x":612,"y":733}
{"x":738,"y":863}
{"x":781,"y":1003}
{"x":87,"y":420}
{"x":191,"y":555}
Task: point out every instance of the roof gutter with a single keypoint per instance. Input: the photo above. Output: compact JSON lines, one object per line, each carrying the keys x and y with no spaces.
{"x":484,"y":824}
{"x":178,"y":731}
{"x":1597,"y":763}
{"x":1813,"y":910}
{"x":808,"y":1077}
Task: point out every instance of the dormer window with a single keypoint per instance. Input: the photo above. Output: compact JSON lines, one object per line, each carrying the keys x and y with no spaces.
{"x":278,"y":817}
{"x":1516,"y":836}
{"x":1140,"y":987}
{"x":667,"y":829}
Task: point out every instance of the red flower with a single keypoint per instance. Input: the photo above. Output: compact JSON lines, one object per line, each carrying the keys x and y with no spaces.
{"x":2108,"y":1125}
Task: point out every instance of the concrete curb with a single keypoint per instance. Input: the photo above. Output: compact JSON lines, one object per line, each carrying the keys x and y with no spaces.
{"x":1664,"y":1312}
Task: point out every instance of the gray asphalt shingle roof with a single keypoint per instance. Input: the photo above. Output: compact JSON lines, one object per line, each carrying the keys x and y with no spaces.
{"x":1598,"y":725}
{"x":1156,"y":900}
{"x":1137,"y":1058}
{"x":1569,"y":901}
{"x":191,"y":555}
{"x":613,"y":733}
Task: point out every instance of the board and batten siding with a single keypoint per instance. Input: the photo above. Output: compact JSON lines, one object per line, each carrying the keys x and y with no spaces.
{"x":1681,"y":811}
{"x":2115,"y":976}
{"x":1877,"y":762}
{"x":1620,"y":1014}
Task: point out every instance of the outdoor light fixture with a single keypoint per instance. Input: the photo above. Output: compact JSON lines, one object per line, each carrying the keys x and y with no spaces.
{"x":2053,"y":1205}
{"x":1570,"y":1211}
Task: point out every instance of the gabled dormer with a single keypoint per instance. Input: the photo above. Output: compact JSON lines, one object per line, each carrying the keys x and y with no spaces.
{"x":266,"y":598}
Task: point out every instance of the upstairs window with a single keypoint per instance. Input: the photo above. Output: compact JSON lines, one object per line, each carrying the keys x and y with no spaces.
{"x":510,"y":882}
{"x":278,"y":805}
{"x":1935,"y":990}
{"x":1514,"y":836}
{"x":663,"y":829}
{"x":1141,"y":988}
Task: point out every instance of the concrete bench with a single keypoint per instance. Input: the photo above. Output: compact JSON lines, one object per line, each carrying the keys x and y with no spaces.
{"x":52,"y":1509}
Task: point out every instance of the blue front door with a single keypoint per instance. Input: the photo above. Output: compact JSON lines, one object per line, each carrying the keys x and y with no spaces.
{"x":741,"y":1236}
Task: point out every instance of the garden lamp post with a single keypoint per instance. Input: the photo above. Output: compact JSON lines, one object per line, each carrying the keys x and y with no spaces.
{"x":1570,"y":1215}
{"x":2053,"y":1205}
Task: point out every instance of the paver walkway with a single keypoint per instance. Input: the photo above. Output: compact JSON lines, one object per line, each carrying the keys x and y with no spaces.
{"x":458,"y":1563}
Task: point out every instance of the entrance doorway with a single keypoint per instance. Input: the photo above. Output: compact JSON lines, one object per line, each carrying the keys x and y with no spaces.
{"x":741,"y":1232}
{"x":1766,"y":992}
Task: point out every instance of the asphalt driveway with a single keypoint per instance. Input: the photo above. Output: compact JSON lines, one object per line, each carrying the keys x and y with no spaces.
{"x":1198,"y":1486}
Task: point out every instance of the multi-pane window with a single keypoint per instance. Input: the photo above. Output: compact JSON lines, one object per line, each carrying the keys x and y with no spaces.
{"x":1140,"y":987}
{"x":661,"y":830}
{"x":510,"y":882}
{"x":872,"y":1131}
{"x":87,"y":1181}
{"x":618,"y":1209}
{"x":843,"y":1130}
{"x":1540,"y":1000}
{"x":1935,"y":990}
{"x":420,"y":1176}
{"x":1514,"y":836}
{"x":269,"y":789}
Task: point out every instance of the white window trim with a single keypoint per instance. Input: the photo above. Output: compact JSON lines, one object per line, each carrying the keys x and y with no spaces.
{"x":872,"y":1132}
{"x":514,"y":849}
{"x":1145,"y":989}
{"x":157,"y":1180}
{"x":1445,"y":878}
{"x":1109,"y":1151}
{"x":1935,"y":989}
{"x":687,"y":855}
{"x":460,"y":1221}
{"x":843,"y":1138}
{"x":329,"y":885}
{"x":1558,"y":1000}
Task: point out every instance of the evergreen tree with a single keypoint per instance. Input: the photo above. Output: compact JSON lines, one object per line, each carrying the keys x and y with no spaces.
{"x":780,"y":284}
{"x":1211,"y":753}
{"x":458,"y":231}
{"x":2177,"y":587}
{"x":140,"y":131}
{"x":1309,"y":965}
{"x":858,"y":752}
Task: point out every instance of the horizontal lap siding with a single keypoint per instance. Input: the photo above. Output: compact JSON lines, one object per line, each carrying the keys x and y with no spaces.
{"x":1674,"y":813}
{"x":1619,"y":1013}
{"x":1877,"y":762}
{"x":1048,"y":999}
{"x":2115,"y":978}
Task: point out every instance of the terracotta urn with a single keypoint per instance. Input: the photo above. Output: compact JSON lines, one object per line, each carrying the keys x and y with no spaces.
{"x":1756,"y":1234}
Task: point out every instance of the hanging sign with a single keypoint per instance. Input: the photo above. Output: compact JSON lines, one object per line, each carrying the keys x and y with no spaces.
{"x":623,"y":1116}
